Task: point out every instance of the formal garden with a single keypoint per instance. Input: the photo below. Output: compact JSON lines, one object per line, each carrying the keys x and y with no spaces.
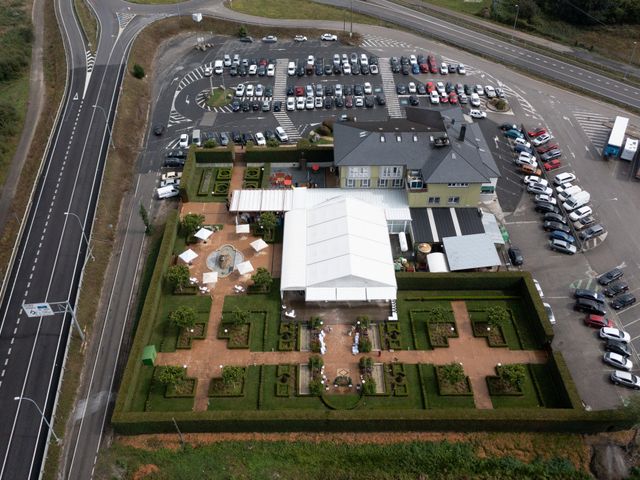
{"x":414,"y":384}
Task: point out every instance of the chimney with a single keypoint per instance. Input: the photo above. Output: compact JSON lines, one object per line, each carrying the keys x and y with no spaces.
{"x":463,"y":131}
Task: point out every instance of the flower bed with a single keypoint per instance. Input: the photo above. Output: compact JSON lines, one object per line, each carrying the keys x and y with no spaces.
{"x":252,"y":173}
{"x":493,"y":334}
{"x":445,"y":387}
{"x":398,"y":380}
{"x":237,"y":336}
{"x":390,"y":335}
{"x":288,"y":336}
{"x":223,"y":173}
{"x":250,"y":184}
{"x":498,"y":385}
{"x":285,"y":380}
{"x":186,"y":337}
{"x":205,"y":180}
{"x":217,"y":388}
{"x":185,"y":388}
{"x":439,"y":333}
{"x":221,"y":188}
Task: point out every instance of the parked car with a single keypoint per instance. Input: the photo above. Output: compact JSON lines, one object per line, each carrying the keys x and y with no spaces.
{"x":581,"y":212}
{"x":505,"y":127}
{"x":563,"y":178}
{"x":625,"y":378}
{"x":616,"y":288}
{"x":608,"y":333}
{"x":546,"y":208}
{"x":591,"y":232}
{"x":547,"y":147}
{"x":623,"y":301}
{"x":617,"y":361}
{"x":541,"y":197}
{"x":478,"y":114}
{"x":552,"y":165}
{"x":184,"y":140}
{"x":328,"y":37}
{"x":512,"y":133}
{"x":554,"y":217}
{"x":557,"y":234}
{"x":597,"y":321}
{"x":515,"y":255}
{"x":589,"y":306}
{"x":541,"y":140}
{"x":610,"y":276}
{"x":589,"y":294}
{"x":539,"y":188}
{"x":270,"y":39}
{"x":562,"y":247}
{"x":550,"y":226}
{"x":583,"y":223}
{"x":550,"y":155}
{"x":531,"y":179}
{"x":537,"y":132}
{"x":550,"y":315}
{"x":618,"y":347}
{"x":299,"y":38}
{"x":158,"y":129}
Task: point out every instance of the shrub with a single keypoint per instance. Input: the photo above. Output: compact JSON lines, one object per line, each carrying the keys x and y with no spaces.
{"x":221,"y":188}
{"x":497,"y":315}
{"x":438,"y":314}
{"x":191,"y":223}
{"x":178,"y":276}
{"x":273,"y":143}
{"x":232,"y":376}
{"x":239,"y":316}
{"x":183,"y":317}
{"x":170,"y":375}
{"x":211,"y":143}
{"x":315,"y":323}
{"x":242,"y":31}
{"x":366,"y":363}
{"x":262,"y":279}
{"x":365,"y":321}
{"x":323,"y":131}
{"x":223,"y":173}
{"x":364,"y":345}
{"x":138,"y":71}
{"x":316,"y":387}
{"x":314,"y":345}
{"x":512,"y":374}
{"x":315,"y":362}
{"x":369,"y":387}
{"x":328,"y":124}
{"x":452,"y":372}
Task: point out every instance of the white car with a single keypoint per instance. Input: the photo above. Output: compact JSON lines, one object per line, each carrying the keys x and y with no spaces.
{"x":271,"y":70}
{"x":522,"y":141}
{"x":479,"y":89}
{"x":489,"y":91}
{"x":541,"y":197}
{"x":300,"y":102}
{"x":208,"y":70}
{"x":270,"y":39}
{"x":318,"y":102}
{"x":250,"y":90}
{"x":538,"y":288}
{"x":440,"y":88}
{"x":608,"y":333}
{"x":259,"y":90}
{"x":358,"y":101}
{"x":184,"y":141}
{"x":444,"y":68}
{"x":541,"y":139}
{"x":624,"y":378}
{"x":539,"y":189}
{"x":328,"y":37}
{"x":240,"y":90}
{"x":368,"y":89}
{"x":550,"y":315}
{"x":412,"y":87}
{"x":338,"y":90}
{"x":532,"y":163}
{"x":346,"y":69}
{"x":434,"y":98}
{"x":528,"y":179}
{"x":617,"y":361}
{"x":581,"y":212}
{"x":291,"y":104}
{"x":253,"y":69}
{"x":282,"y":136}
{"x":563,"y":178}
{"x":309,"y":103}
{"x":475,"y":100}
{"x":299,"y":38}
{"x":413,"y":59}
{"x":478,"y":114}
{"x":364,"y":60}
{"x":373,"y":69}
{"x":461,"y":69}
{"x":311,"y":60}
{"x":260,"y":140}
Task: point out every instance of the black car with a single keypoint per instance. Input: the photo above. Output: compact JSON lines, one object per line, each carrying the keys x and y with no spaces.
{"x":505,"y":127}
{"x":269,"y":135}
{"x":554,"y":217}
{"x":404,"y":60}
{"x":449,"y":87}
{"x":364,"y":69}
{"x":620,"y":348}
{"x":158,"y":130}
{"x":328,"y":90}
{"x":355,"y":69}
{"x":615,"y":288}
{"x":328,"y":102}
{"x":405,"y":69}
{"x":328,"y":69}
{"x":395,"y":68}
{"x":290,"y":91}
{"x":421,"y":89}
{"x":368,"y":101}
{"x":373,"y":60}
{"x":610,"y":276}
{"x":550,"y":226}
{"x":255,"y":105}
{"x":589,"y":294}
{"x":339,"y":102}
{"x":623,"y":301}
{"x":468,"y":89}
{"x":233,"y":70}
{"x":347,"y":90}
{"x":268,"y":92}
{"x":546,"y":208}
{"x":593,"y":231}
{"x":174,"y":162}
{"x":246,"y":39}
{"x":277,"y":106}
{"x":236,"y":137}
{"x":337,"y":69}
{"x":235,"y":106}
{"x":413,"y":100}
{"x":358,"y":90}
{"x":589,"y":306}
{"x":515,"y":255}
{"x":381,"y":100}
{"x":246,"y":106}
{"x":300,"y":70}
{"x":262,"y":71}
{"x":177,"y":153}
{"x":401,"y":89}
{"x":319,"y":70}
{"x":242,"y":71}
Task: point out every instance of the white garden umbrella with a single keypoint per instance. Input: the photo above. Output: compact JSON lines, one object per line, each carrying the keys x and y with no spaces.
{"x":259,"y":244}
{"x":203,"y":234}
{"x":209,"y":277}
{"x":188,"y":256}
{"x":244,"y":268}
{"x":242,"y":228}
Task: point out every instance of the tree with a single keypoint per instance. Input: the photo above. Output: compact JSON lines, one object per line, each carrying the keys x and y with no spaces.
{"x":183,"y":317}
{"x":273,"y":143}
{"x":262,"y":279}
{"x":315,"y":362}
{"x":178,"y":276}
{"x":452,"y":373}
{"x":138,"y":71}
{"x":268,"y":220}
{"x":170,"y":375}
{"x":512,"y":374}
{"x":369,"y":386}
{"x":364,"y":345}
{"x":211,"y":143}
{"x":365,"y":322}
{"x":497,"y":315}
{"x":191,"y":223}
{"x":240,"y":316}
{"x":315,"y":387}
{"x":232,"y":376}
{"x":148,"y":228}
{"x":242,"y":31}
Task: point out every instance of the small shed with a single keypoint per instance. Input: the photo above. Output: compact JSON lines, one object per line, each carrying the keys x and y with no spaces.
{"x":149,"y":355}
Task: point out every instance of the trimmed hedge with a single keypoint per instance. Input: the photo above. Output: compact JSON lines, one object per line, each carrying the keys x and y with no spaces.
{"x":221,"y":188}
{"x":171,"y":393}
{"x":224,"y":173}
{"x":206,"y":176}
{"x":189,"y":173}
{"x":285,"y":155}
{"x":218,"y":155}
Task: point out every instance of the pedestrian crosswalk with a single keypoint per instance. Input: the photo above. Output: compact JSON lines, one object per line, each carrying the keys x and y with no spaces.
{"x":389,"y":89}
{"x":374,"y":41}
{"x":595,"y":127}
{"x":201,"y":101}
{"x":280,"y":80}
{"x":288,"y":126}
{"x":190,"y":77}
{"x":91,"y":60}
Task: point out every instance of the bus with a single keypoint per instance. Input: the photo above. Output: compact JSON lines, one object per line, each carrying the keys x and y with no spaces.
{"x":616,"y":139}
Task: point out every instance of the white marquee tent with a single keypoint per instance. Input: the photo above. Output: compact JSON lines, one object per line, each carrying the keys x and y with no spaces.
{"x":209,"y":277}
{"x":203,"y":234}
{"x":259,"y":245}
{"x":244,"y":268}
{"x":188,"y":256}
{"x":338,"y":250}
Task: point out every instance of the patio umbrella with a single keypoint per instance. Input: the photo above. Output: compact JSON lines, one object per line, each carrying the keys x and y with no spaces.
{"x":244,"y":268}
{"x":209,"y":277}
{"x":259,"y":244}
{"x":242,"y":228}
{"x":203,"y":234}
{"x":188,"y":256}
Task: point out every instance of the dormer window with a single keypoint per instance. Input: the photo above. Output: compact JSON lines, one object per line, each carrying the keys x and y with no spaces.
{"x":382,"y":139}
{"x":398,"y":138}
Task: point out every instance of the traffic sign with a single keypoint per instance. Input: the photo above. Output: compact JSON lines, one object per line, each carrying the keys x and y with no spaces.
{"x":37,"y":309}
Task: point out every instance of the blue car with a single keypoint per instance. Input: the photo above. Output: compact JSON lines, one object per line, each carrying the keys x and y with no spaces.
{"x":559,"y":235}
{"x":514,"y":134}
{"x":522,"y":148}
{"x":415,"y":68}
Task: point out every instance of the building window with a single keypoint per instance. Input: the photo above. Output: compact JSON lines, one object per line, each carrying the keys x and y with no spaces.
{"x":390,"y":172}
{"x":487,"y":189}
{"x":415,"y":184}
{"x":434,"y":200}
{"x":398,"y":182}
{"x":350,"y":183}
{"x":358,"y":172}
{"x":382,"y":183}
{"x":458,"y":185}
{"x":454,"y":200}
{"x":366,"y":183}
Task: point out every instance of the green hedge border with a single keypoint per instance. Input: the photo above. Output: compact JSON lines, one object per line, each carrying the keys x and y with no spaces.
{"x":317,"y":154}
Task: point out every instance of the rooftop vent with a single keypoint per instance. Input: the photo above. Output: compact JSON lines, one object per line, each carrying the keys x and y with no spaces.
{"x":398,"y":138}
{"x":415,"y":138}
{"x":463,"y":132}
{"x":382,"y":139}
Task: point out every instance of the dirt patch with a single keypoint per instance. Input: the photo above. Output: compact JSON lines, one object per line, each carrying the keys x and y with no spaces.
{"x":145,"y":471}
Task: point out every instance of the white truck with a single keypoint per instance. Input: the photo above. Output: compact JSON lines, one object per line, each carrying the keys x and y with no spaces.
{"x":630,"y":149}
{"x":168,"y":191}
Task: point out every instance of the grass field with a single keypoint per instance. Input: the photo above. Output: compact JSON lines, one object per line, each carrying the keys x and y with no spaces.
{"x":220,"y":97}
{"x":302,"y":460}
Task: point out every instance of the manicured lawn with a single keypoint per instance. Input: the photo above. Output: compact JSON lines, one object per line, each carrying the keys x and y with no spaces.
{"x":220,"y":97}
{"x":298,"y":9}
{"x":202,"y":305}
{"x":527,"y":400}
{"x":549,"y":391}
{"x":157,"y":402}
{"x":270,"y":401}
{"x":413,"y":400}
{"x":249,"y":401}
{"x":434,"y":399}
{"x":202,"y":184}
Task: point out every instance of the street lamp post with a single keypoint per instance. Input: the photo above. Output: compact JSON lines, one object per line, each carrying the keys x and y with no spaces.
{"x":106,"y":120}
{"x":633,"y":54}
{"x":515,"y":22}
{"x":58,"y":441}
{"x":84,"y":235}
{"x":351,"y":29}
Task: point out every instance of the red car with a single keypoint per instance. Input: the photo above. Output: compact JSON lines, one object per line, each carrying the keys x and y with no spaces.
{"x":546,"y":148}
{"x":453,"y":98}
{"x":430,"y":87}
{"x":552,"y":164}
{"x":444,"y":99}
{"x":597,"y":321}
{"x":537,"y":131}
{"x":424,"y":68}
{"x":299,"y":92}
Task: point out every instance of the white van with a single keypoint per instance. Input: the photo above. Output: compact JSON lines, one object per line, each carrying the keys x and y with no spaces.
{"x":577,"y":200}
{"x":291,"y":69}
{"x":218,"y":67}
{"x":570,"y":191}
{"x":196,"y":139}
{"x":168,"y":192}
